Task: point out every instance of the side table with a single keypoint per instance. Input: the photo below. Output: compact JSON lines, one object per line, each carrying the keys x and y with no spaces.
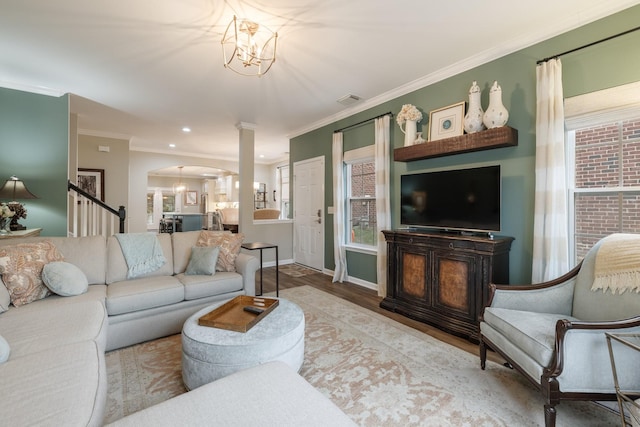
{"x":625,"y":399}
{"x":21,"y":233}
{"x":261,"y":246}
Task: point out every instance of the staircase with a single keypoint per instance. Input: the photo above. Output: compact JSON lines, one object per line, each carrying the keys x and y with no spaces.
{"x":89,"y":216}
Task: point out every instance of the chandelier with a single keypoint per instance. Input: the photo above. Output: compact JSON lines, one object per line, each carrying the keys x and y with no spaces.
{"x":249,"y":48}
{"x":179,"y":187}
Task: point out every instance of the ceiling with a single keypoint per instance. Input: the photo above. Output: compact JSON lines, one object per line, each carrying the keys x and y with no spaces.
{"x":144,"y":69}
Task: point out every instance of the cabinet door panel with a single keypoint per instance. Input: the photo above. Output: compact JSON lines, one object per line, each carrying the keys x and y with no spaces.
{"x":413,"y":276}
{"x":455,"y":284}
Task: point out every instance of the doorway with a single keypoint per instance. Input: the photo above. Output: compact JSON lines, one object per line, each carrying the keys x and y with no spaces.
{"x":308,"y":212}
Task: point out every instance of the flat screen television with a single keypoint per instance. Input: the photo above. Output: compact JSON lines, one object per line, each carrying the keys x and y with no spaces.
{"x":458,"y":200}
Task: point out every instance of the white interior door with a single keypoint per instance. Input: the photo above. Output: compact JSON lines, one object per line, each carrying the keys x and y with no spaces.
{"x":308,"y":212}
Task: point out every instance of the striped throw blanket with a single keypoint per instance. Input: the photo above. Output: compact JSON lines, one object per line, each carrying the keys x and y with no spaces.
{"x":617,"y":265}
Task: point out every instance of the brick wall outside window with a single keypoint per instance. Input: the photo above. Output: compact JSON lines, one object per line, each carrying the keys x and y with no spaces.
{"x":362,"y":203}
{"x":607,"y":158}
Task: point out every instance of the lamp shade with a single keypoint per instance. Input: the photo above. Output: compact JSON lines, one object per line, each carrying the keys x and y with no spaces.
{"x":14,"y":189}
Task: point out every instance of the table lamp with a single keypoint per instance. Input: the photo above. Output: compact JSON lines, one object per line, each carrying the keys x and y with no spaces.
{"x":14,"y":189}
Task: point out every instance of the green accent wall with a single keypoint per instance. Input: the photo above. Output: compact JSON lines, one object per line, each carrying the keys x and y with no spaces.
{"x":609,"y":64}
{"x":34,"y":142}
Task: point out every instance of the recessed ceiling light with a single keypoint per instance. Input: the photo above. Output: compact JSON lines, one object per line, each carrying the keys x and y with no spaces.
{"x":186,"y":129}
{"x":172,"y":145}
{"x":261,"y":156}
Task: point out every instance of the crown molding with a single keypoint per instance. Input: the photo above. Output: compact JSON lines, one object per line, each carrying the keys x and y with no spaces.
{"x":103,"y":134}
{"x":40,"y":90}
{"x":514,"y":45}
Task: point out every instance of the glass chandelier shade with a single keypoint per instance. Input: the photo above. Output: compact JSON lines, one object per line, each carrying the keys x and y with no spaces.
{"x":249,"y":48}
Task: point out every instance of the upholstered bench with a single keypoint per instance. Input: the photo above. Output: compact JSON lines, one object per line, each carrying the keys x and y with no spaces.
{"x":211,"y":353}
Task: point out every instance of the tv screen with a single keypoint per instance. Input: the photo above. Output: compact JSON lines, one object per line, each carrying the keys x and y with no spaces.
{"x":461,"y":199}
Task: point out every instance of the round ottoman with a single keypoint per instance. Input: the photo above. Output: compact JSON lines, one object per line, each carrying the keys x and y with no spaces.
{"x":212,"y":353}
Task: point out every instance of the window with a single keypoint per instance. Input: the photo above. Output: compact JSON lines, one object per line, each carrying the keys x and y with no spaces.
{"x":604,"y":180}
{"x":361,"y":207}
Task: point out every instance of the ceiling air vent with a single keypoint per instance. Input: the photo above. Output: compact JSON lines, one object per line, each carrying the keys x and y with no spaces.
{"x":349,"y":100}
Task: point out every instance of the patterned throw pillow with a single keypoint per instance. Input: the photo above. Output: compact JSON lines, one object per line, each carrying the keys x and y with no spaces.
{"x":21,"y":268}
{"x":229,"y":244}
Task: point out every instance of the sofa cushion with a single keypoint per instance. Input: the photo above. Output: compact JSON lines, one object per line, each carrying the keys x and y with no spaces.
{"x":533,"y":333}
{"x":5,"y":298}
{"x":21,"y":268}
{"x":203,"y":261}
{"x":88,"y":253}
{"x":141,"y":294}
{"x":64,"y":386}
{"x":64,"y":279}
{"x":32,"y":331}
{"x":201,"y":286}
{"x":229,"y":244}
{"x":278,"y":396}
{"x":5,"y":350}
{"x":117,"y":268}
{"x":94,"y":293}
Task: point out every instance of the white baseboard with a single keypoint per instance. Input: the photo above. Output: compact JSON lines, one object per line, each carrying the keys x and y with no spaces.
{"x":273,"y":263}
{"x":350,"y":279}
{"x":355,"y":281}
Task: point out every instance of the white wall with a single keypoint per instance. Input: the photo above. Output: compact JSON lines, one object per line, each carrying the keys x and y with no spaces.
{"x":140,"y":163}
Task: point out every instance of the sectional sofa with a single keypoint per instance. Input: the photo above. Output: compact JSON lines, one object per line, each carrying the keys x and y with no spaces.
{"x":55,"y":373}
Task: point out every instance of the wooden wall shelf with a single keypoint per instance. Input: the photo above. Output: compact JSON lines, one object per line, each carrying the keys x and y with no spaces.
{"x":484,"y":140}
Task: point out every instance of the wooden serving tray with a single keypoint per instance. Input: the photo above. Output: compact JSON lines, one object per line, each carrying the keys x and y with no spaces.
{"x":231,"y":315}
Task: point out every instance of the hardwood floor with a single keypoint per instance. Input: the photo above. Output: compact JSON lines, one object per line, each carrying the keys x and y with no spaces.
{"x":366,"y":298}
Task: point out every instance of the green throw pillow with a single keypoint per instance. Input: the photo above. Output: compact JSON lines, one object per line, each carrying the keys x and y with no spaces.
{"x":64,"y":279}
{"x":203,"y":260}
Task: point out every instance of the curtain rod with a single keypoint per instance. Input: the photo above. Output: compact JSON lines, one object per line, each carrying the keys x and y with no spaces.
{"x":587,"y":45}
{"x":362,"y":122}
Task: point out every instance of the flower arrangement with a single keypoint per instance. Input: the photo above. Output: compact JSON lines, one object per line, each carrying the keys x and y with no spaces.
{"x":5,"y":216}
{"x":19,"y":211}
{"x":408,"y":112}
{"x":5,"y":211}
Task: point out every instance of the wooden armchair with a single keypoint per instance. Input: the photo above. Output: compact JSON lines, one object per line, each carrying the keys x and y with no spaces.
{"x":554,"y":333}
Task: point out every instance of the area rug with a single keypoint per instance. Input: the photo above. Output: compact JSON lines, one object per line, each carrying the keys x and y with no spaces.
{"x":296,"y":270}
{"x":378,"y":371}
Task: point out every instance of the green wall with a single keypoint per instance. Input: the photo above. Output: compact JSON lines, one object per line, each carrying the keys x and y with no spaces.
{"x":34,"y":141}
{"x":612,"y":63}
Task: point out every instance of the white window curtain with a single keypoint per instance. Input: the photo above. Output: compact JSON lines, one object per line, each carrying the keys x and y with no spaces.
{"x":339,"y":229}
{"x":550,"y":228}
{"x":383,"y":204}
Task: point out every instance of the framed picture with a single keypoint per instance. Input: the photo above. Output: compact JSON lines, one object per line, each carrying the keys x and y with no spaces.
{"x":92,"y":181}
{"x":446,"y":122}
{"x":191,"y":198}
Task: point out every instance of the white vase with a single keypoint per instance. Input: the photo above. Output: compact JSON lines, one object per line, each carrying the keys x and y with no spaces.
{"x":496,"y":115}
{"x":473,"y":118}
{"x":410,"y":132}
{"x":419,"y":139}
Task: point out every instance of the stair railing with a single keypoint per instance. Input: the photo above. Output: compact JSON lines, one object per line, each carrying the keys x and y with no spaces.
{"x":89,"y":216}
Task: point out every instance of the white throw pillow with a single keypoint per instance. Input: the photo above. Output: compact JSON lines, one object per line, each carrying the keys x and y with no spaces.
{"x":64,"y":279}
{"x":5,"y":350}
